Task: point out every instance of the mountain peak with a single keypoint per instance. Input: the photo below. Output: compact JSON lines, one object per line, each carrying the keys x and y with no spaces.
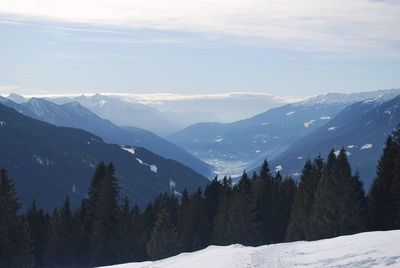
{"x":16,"y":98}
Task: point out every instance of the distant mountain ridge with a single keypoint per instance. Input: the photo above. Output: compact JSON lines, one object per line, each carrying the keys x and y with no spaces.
{"x":360,"y":128}
{"x":49,"y":163}
{"x":244,"y":144}
{"x":75,"y":115}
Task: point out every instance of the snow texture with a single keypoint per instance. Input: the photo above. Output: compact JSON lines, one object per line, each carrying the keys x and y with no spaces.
{"x":129,"y":149}
{"x":373,"y":249}
{"x":366,"y":146}
{"x":153,"y":168}
{"x":308,"y":123}
{"x":278,"y":168}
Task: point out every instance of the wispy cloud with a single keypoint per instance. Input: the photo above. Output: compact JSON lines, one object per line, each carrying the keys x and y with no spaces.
{"x":358,"y":26}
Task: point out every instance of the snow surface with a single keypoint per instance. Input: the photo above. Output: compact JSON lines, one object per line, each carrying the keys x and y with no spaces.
{"x":153,"y":168}
{"x":308,"y":123}
{"x":278,"y":168}
{"x":372,"y":249}
{"x":129,"y":149}
{"x":290,"y":113}
{"x":332,"y":128}
{"x":366,"y":146}
{"x":325,"y":117}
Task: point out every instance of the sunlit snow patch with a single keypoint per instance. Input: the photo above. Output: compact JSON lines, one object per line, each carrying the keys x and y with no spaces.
{"x":366,"y":146}
{"x":153,"y":168}
{"x":309,"y":123}
{"x":332,"y":128}
{"x":278,"y":168}
{"x":219,"y":139}
{"x":350,"y":146}
{"x":290,"y":113}
{"x":129,"y":149}
{"x":325,"y":117}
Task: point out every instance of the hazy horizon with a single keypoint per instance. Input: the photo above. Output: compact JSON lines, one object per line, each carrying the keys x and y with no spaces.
{"x":283,"y":48}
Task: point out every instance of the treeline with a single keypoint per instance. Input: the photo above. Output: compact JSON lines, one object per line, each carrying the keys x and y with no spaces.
{"x":327,"y":201}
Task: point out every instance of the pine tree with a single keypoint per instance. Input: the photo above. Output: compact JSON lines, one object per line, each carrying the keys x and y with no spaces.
{"x":163,"y":241}
{"x":63,"y":239}
{"x":15,"y":243}
{"x":218,"y":236}
{"x":299,"y":226}
{"x":241,"y":225}
{"x":38,"y":223}
{"x":339,"y":203}
{"x":104,"y":234}
{"x":384,"y":193}
{"x":211,"y":201}
{"x":192,"y":223}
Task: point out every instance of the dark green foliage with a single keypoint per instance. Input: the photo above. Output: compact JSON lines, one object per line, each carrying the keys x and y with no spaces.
{"x":164,"y":238}
{"x":221,"y":218}
{"x":384,"y":197}
{"x":299,"y":227}
{"x":38,"y":223}
{"x":192,"y":223}
{"x":105,"y":207}
{"x":15,"y":243}
{"x":339,"y":203}
{"x":241,"y":224}
{"x":328,"y":201}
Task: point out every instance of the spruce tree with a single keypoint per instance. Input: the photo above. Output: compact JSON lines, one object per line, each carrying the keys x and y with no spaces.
{"x":163,"y":241}
{"x":384,"y":194}
{"x":192,"y":223}
{"x":15,"y":243}
{"x":38,"y":223}
{"x":218,"y":236}
{"x":299,"y":226}
{"x":241,"y":224}
{"x":104,"y":234}
{"x":339,"y":203}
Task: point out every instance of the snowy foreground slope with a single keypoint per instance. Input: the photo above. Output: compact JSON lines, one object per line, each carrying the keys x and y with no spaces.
{"x":372,"y":249}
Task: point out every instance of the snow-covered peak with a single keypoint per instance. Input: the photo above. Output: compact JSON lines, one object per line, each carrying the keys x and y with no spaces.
{"x":378,"y":96}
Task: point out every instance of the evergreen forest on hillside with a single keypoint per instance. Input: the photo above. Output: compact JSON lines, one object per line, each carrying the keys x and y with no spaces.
{"x":265,"y":208}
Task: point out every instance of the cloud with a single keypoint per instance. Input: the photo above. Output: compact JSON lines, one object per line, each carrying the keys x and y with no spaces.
{"x":159,"y":98}
{"x":358,"y":26}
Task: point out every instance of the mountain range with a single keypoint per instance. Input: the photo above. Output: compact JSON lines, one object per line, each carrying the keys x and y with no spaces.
{"x":73,"y":114}
{"x":360,"y":128}
{"x":240,"y":145}
{"x":48,"y":163}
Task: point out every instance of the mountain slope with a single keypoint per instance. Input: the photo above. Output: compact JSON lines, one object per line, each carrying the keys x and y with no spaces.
{"x":244,"y":144}
{"x":125,"y":113}
{"x":75,"y":115}
{"x":372,"y":249}
{"x":48,"y":163}
{"x":361,"y":128}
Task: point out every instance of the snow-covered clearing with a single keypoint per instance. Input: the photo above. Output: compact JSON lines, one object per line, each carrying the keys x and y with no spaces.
{"x":373,"y":249}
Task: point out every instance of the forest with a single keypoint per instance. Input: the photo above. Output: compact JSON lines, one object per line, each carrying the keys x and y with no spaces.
{"x":261,"y":208}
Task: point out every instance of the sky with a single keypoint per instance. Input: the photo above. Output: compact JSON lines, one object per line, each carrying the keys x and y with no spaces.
{"x":278,"y":47}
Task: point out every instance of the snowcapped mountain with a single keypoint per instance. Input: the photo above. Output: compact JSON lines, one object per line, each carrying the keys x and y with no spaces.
{"x":49,"y":163}
{"x":371,"y":249}
{"x":361,"y":129}
{"x":232,"y":147}
{"x":75,"y":115}
{"x":347,"y":99}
